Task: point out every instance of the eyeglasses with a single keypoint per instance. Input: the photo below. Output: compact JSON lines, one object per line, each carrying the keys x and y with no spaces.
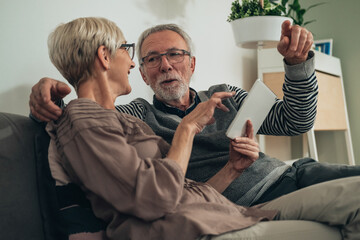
{"x":130,"y":48}
{"x":173,"y":56}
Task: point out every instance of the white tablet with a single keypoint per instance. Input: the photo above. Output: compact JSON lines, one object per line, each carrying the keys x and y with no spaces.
{"x":256,"y":107}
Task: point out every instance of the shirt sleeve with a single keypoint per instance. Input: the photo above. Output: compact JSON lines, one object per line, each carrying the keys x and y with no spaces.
{"x":134,"y":108}
{"x":296,"y":113}
{"x":101,"y":160}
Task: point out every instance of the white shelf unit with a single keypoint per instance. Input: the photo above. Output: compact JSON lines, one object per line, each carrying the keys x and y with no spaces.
{"x":332,"y":112}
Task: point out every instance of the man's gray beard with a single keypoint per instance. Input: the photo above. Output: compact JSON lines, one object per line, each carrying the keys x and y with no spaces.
{"x":171,"y":93}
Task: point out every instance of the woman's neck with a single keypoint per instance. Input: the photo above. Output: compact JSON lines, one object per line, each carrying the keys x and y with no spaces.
{"x":98,"y":90}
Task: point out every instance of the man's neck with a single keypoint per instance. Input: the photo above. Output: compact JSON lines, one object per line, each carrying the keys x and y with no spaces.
{"x":183,"y":103}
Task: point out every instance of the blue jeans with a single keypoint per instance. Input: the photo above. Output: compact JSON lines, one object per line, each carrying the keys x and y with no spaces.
{"x":306,"y":172}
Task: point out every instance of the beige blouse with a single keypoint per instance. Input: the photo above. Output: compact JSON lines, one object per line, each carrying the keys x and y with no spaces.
{"x":122,"y":166}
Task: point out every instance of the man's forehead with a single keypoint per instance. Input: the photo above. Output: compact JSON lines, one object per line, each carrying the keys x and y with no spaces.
{"x":163,"y":41}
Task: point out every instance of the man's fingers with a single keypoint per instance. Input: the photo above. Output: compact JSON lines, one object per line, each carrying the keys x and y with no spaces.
{"x":301,"y":44}
{"x":50,"y":110}
{"x":42,"y":90}
{"x":295,"y":37}
{"x":38,"y":116}
{"x":286,"y":28}
{"x":43,"y":109}
{"x":285,"y":37}
{"x":306,"y":50}
{"x":308,"y":44}
{"x":295,"y":43}
{"x":61,"y":89}
{"x":43,"y":113}
{"x":249,"y":154}
{"x":249,"y":129}
{"x":49,"y":89}
{"x":42,"y":94}
{"x":244,"y":143}
{"x":283,"y":45}
{"x":245,"y":146}
{"x":304,"y":41}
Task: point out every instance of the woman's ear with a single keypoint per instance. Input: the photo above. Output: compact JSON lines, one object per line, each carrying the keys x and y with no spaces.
{"x":103,"y":55}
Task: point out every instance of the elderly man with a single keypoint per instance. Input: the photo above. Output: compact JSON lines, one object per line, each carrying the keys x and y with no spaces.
{"x":167,"y":64}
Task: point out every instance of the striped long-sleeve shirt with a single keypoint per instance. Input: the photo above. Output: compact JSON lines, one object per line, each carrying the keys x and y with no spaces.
{"x":289,"y":117}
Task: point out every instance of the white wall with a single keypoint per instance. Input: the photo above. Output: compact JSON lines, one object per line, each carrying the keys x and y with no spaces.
{"x":342,"y":27}
{"x":25,"y":25}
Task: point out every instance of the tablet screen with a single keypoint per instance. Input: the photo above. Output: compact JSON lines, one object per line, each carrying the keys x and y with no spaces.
{"x":256,"y":107}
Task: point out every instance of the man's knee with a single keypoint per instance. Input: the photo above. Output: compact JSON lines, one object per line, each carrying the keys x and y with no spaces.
{"x":310,"y":172}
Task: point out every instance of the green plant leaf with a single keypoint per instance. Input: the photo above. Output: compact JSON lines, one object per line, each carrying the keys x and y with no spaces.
{"x":288,"y":8}
{"x":308,"y":22}
{"x":315,"y":5}
{"x":284,"y":2}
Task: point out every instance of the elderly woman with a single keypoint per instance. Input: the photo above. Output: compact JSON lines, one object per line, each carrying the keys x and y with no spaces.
{"x":133,"y":178}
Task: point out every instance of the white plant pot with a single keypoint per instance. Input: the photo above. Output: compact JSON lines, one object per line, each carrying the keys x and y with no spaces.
{"x":258,"y":31}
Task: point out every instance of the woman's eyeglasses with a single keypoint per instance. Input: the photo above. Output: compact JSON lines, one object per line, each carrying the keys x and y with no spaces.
{"x":130,"y":48}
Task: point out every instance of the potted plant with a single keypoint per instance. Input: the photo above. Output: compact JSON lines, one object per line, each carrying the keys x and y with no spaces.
{"x":258,"y":22}
{"x":295,"y":11}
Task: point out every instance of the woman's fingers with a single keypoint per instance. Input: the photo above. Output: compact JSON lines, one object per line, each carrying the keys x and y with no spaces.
{"x":218,"y":97}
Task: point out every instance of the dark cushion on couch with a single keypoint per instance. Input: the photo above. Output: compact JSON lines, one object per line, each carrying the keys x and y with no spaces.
{"x":28,"y":200}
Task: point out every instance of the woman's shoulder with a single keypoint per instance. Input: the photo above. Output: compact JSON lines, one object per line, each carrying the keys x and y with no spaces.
{"x":82,"y":114}
{"x":134,"y":125}
{"x":85,"y":114}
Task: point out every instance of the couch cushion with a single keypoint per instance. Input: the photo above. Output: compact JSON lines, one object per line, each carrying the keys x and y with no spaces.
{"x":19,"y":201}
{"x":46,"y":185}
{"x":28,"y":205}
{"x":29,"y":197}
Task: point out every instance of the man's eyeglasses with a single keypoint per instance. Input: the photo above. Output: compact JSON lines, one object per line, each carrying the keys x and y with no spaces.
{"x":173,"y":56}
{"x":130,"y":48}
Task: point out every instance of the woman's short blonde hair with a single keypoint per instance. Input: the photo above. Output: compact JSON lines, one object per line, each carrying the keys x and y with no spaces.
{"x":73,"y":46}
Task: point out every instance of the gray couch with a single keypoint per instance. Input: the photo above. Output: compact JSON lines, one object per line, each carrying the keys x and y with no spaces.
{"x":28,"y":203}
{"x":27,"y":197}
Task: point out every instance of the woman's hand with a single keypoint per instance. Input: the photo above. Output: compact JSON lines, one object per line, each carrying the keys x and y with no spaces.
{"x":192,"y":124}
{"x":202,"y":115}
{"x":244,"y":150}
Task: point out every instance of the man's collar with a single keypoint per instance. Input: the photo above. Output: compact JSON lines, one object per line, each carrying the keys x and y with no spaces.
{"x":194,"y":98}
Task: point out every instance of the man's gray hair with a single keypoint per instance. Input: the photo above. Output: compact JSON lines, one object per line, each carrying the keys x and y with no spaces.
{"x":160,"y":28}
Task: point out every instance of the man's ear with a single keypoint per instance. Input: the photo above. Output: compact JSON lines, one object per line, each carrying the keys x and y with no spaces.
{"x":103,"y":55}
{"x":143,"y":75}
{"x":192,"y":63}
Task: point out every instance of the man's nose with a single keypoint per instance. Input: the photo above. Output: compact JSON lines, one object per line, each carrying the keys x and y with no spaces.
{"x":165,"y":66}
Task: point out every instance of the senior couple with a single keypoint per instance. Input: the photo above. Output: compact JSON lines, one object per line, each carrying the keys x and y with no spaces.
{"x":172,"y":185}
